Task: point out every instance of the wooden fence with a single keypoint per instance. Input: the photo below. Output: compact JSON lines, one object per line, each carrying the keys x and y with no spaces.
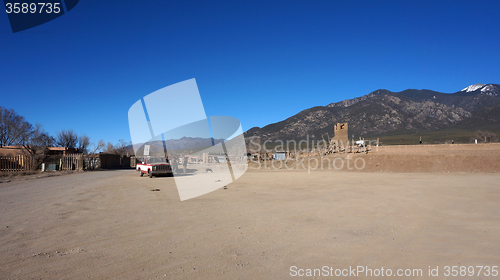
{"x":28,"y":162}
{"x":16,"y":163}
{"x":71,"y":162}
{"x":109,"y":161}
{"x":65,"y":162}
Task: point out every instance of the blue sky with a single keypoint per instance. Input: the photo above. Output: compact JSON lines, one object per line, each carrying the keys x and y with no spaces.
{"x":258,"y":61}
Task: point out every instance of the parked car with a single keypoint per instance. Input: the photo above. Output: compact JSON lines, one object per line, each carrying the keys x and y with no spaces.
{"x":154,"y":166}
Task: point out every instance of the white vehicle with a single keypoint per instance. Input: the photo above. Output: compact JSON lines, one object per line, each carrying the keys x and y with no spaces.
{"x":154,"y":166}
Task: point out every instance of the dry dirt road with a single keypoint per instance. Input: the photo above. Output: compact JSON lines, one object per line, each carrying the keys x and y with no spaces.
{"x":112,"y":225}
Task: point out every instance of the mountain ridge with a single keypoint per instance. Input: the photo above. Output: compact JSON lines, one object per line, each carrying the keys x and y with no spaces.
{"x":383,"y":112}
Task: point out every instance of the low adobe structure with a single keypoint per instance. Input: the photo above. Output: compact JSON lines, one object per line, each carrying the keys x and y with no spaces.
{"x":19,"y":150}
{"x":11,"y":150}
{"x":62,"y":151}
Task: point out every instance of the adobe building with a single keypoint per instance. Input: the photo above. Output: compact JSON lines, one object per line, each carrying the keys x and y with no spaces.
{"x":11,"y":151}
{"x":341,"y":135}
{"x":19,"y":150}
{"x":62,"y":151}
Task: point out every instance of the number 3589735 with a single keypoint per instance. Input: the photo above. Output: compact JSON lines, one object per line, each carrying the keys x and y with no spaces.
{"x":32,"y":8}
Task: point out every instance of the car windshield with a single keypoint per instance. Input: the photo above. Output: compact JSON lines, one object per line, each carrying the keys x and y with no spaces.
{"x":157,"y":160}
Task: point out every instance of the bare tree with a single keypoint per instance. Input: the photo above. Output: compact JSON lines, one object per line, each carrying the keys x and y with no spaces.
{"x":110,"y":148}
{"x":121,"y":148}
{"x":121,"y":144}
{"x":37,"y":140}
{"x":97,"y":147}
{"x":36,"y":144}
{"x":13,"y":128}
{"x":67,"y":138}
{"x":83,"y":143}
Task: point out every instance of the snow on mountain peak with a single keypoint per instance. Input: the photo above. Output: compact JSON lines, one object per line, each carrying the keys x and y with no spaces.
{"x":488,"y":88}
{"x":473,"y":87}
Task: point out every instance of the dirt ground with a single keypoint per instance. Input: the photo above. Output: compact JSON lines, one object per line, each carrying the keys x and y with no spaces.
{"x":116,"y":224}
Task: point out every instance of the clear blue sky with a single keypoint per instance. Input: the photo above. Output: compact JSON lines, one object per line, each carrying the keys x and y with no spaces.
{"x":258,"y":61}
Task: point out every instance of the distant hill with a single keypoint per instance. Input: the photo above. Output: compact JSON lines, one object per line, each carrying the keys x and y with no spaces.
{"x":182,"y":145}
{"x":383,"y":113}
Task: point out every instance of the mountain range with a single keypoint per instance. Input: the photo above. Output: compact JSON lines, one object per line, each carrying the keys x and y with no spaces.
{"x":383,"y":113}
